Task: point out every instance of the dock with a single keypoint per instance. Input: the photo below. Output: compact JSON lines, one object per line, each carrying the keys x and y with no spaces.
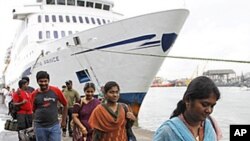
{"x":141,"y":134}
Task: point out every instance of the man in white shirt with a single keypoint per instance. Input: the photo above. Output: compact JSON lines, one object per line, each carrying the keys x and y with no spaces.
{"x":8,"y":96}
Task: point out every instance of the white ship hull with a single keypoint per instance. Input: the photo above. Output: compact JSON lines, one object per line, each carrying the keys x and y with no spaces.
{"x":129,"y":52}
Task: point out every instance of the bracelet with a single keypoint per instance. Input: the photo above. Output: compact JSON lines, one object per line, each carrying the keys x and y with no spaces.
{"x":83,"y":129}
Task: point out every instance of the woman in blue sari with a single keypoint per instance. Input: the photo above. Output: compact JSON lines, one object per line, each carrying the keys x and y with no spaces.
{"x":190,"y":120}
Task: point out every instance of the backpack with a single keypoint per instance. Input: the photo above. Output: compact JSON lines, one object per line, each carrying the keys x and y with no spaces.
{"x":13,"y":109}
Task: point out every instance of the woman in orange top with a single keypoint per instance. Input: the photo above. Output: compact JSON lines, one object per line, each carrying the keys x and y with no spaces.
{"x":108,"y":120}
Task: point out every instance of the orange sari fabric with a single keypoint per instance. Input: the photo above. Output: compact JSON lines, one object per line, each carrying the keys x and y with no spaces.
{"x":111,"y":128}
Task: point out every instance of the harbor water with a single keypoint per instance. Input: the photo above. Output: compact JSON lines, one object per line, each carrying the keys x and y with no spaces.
{"x":232,"y":108}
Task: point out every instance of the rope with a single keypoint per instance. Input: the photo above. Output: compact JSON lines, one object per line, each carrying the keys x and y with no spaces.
{"x":180,"y":57}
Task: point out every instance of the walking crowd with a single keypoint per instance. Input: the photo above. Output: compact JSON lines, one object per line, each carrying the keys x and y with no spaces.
{"x":54,"y":112}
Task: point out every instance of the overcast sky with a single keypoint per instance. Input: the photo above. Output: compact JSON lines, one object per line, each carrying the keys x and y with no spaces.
{"x":214,"y":29}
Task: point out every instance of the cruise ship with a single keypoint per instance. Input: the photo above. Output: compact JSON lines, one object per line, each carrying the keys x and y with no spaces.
{"x":86,"y":41}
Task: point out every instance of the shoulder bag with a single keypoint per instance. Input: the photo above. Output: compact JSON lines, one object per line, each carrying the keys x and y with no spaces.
{"x":129,"y":124}
{"x":77,"y":133}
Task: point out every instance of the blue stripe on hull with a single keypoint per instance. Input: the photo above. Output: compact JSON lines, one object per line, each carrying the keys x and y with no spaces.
{"x":132,"y":98}
{"x":150,"y":43}
{"x":128,"y":41}
{"x":147,"y":47}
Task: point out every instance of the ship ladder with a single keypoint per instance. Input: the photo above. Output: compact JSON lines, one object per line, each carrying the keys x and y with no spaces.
{"x":92,"y":70}
{"x":40,"y":55}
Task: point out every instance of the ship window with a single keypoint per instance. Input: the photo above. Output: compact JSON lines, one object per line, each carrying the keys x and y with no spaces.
{"x":80,"y":19}
{"x":55,"y":34}
{"x":98,"y":6}
{"x":103,"y":21}
{"x":63,"y":33}
{"x":93,"y":20}
{"x":83,"y":76}
{"x":50,"y":1}
{"x":80,"y":3}
{"x":67,"y":19}
{"x":70,"y":2}
{"x":40,"y":35}
{"x":70,"y":32}
{"x":74,"y":19}
{"x":87,"y":20}
{"x":98,"y":21}
{"x":61,"y":18}
{"x":53,"y":18}
{"x":106,"y":7}
{"x":89,"y":4}
{"x":39,"y":19}
{"x":47,"y":34}
{"x":46,"y":18}
{"x":61,"y":2}
{"x":77,"y":40}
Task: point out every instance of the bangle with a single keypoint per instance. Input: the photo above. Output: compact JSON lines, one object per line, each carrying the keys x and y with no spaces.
{"x":83,"y":129}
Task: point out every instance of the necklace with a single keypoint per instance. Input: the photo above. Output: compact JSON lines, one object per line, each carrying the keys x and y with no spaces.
{"x":197,"y":132}
{"x":86,"y":101}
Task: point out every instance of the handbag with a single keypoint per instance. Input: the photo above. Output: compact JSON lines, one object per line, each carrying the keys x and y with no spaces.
{"x":27,"y":134}
{"x":130,"y":133}
{"x":77,"y":134}
{"x":11,"y":125}
{"x":129,"y":124}
{"x":7,"y":124}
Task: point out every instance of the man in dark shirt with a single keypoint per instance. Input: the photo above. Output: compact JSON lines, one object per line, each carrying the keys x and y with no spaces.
{"x":44,"y":101}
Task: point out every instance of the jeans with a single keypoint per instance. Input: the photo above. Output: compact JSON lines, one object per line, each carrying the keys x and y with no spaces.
{"x":69,"y":118}
{"x":48,"y":134}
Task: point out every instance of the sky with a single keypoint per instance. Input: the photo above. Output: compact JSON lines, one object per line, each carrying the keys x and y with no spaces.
{"x":214,"y":29}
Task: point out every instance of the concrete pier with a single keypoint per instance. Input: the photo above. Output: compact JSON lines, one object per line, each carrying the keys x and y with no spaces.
{"x":141,"y":134}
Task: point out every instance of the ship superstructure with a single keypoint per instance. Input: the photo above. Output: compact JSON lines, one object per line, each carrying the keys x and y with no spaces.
{"x":49,"y":20}
{"x":85,"y":40}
